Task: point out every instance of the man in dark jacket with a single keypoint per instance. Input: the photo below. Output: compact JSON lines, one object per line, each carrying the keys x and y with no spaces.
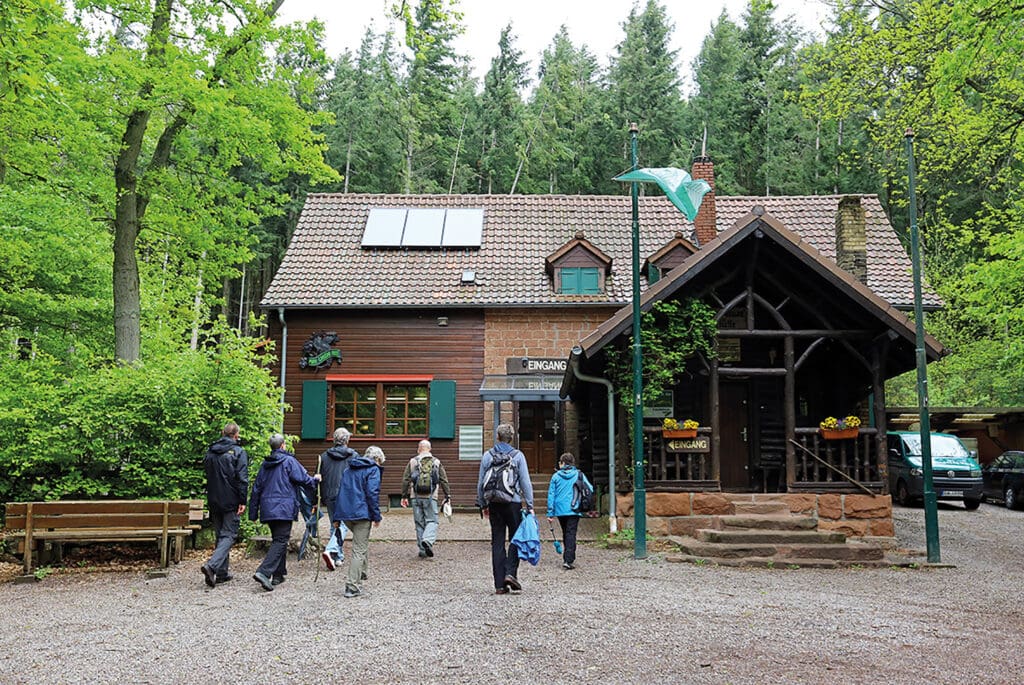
{"x":333,"y":463}
{"x":358,"y":506}
{"x":274,"y":501}
{"x":227,"y":487}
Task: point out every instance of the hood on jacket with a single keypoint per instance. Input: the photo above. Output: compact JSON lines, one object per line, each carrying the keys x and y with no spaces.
{"x":358,"y":462}
{"x":223,"y":445}
{"x":567,"y":473}
{"x":341,"y":452}
{"x":276,"y":458}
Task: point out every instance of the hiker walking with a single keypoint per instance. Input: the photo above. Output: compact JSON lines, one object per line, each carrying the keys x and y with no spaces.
{"x":503,"y":489}
{"x":274,"y":501}
{"x":422,"y":477}
{"x":358,"y":506}
{"x":560,"y":505}
{"x":333,"y":463}
{"x":227,"y":487}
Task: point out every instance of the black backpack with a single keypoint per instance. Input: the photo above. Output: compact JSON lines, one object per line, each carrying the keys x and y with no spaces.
{"x":501,"y":482}
{"x":582,"y":496}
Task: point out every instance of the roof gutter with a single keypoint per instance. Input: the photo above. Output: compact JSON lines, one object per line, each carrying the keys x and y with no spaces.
{"x":284,"y":357}
{"x":574,"y":364}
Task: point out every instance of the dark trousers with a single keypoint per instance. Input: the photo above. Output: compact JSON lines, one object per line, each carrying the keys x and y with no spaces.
{"x":569,"y":525}
{"x":225,"y":524}
{"x":504,"y":519}
{"x":274,"y":563}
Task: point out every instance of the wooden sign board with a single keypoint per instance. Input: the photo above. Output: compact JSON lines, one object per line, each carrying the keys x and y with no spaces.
{"x":698,"y":445}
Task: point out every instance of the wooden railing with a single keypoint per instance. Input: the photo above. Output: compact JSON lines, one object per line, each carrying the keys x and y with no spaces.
{"x":855,"y":457}
{"x":669,"y":470}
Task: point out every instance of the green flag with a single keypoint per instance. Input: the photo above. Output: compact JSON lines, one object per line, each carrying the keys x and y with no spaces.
{"x":685,"y":193}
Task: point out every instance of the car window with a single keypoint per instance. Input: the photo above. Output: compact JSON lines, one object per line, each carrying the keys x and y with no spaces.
{"x":1018,"y":461}
{"x":942,"y":445}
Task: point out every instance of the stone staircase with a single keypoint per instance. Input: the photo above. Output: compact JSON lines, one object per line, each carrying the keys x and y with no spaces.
{"x":767,"y":535}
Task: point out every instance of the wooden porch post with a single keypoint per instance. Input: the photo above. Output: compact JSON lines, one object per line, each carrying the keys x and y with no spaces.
{"x":878,"y":355}
{"x":716,"y":425}
{"x":789,"y":399}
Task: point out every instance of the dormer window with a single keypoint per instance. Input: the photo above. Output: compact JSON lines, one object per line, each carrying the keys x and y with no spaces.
{"x":578,"y":267}
{"x":671,"y":255}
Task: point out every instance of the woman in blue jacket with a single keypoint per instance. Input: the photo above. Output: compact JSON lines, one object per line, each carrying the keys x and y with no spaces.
{"x":560,"y":504}
{"x":274,"y":501}
{"x":358,"y":507}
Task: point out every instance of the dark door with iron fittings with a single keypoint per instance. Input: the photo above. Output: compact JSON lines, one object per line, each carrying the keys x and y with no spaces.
{"x":537,"y":439}
{"x":734,"y":423}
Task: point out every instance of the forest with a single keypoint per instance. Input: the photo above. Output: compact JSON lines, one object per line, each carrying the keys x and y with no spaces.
{"x":155,"y":155}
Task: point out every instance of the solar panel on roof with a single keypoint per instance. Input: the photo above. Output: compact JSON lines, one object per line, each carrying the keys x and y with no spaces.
{"x":384,"y":227}
{"x":423,"y":228}
{"x":463,"y":228}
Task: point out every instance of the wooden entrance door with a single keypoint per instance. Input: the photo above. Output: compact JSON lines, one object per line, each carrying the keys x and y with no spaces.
{"x":537,"y":439}
{"x":734,"y":424}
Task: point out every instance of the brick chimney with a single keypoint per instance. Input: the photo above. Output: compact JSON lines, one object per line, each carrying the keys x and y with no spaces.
{"x":851,"y":237}
{"x":704,"y":224}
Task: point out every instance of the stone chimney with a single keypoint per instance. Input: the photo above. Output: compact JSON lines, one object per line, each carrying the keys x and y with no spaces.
{"x":704,"y":224}
{"x":851,"y":238}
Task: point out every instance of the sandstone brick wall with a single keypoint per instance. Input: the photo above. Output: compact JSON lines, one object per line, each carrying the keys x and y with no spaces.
{"x":681,"y":513}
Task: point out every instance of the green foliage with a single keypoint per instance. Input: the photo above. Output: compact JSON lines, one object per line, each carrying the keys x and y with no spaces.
{"x":130,"y":431}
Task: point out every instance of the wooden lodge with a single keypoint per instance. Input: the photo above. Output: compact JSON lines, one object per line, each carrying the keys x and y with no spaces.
{"x":453,"y":313}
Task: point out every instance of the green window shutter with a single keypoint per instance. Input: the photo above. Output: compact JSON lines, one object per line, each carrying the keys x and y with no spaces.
{"x":314,"y":409}
{"x":653,"y":274}
{"x":570,"y":280}
{"x":589,"y":283}
{"x":442,"y":409}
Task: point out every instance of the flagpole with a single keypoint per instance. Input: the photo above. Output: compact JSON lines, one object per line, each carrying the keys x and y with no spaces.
{"x":639,"y":494}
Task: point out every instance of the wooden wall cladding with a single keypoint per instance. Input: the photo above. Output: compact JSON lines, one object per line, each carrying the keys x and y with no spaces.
{"x":400,"y":342}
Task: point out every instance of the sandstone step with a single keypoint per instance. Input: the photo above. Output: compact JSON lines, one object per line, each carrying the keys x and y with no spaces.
{"x":851,"y":551}
{"x":754,"y":562}
{"x":770,"y":537}
{"x":768,"y":522}
{"x":722,"y":550}
{"x":761,"y":508}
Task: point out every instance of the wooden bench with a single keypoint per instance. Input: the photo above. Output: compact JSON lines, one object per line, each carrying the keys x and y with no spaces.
{"x":168,"y":522}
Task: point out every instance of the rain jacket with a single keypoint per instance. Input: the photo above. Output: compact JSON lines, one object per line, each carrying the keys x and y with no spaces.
{"x":560,"y":491}
{"x":359,"y":495}
{"x":275,"y":492}
{"x":227,"y":475}
{"x":333,"y":463}
{"x":525,"y":489}
{"x":527,"y":539}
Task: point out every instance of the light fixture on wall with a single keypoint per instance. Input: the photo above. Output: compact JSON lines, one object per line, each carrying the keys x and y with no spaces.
{"x":442,"y":321}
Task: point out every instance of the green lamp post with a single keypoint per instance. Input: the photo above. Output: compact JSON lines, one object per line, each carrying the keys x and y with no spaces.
{"x":686,"y":194}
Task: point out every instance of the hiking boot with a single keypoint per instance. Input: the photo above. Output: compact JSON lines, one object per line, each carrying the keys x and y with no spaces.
{"x":428,"y":549}
{"x":328,"y":561}
{"x":267,"y":584}
{"x":277,"y":580}
{"x":568,"y":567}
{"x":501,"y":591}
{"x":352,"y":592}
{"x":512,"y":583}
{"x":209,"y":575}
{"x":225,"y":578}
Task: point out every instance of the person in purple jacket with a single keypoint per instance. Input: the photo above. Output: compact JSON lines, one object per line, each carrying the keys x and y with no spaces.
{"x":274,"y":501}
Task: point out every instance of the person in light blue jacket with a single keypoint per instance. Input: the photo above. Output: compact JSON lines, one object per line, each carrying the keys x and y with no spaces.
{"x":560,"y":505}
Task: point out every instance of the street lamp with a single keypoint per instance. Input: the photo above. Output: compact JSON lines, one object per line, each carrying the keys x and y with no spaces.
{"x":686,"y":194}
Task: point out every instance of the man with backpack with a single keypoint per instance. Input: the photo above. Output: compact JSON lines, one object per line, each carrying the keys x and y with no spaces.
{"x":570,"y":495}
{"x":502,"y":490}
{"x":423,"y":475}
{"x":227,"y":490}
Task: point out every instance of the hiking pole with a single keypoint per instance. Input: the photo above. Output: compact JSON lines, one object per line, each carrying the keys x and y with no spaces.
{"x":557,"y":543}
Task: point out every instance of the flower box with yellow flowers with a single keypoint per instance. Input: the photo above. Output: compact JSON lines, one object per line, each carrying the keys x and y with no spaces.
{"x":840,"y":429}
{"x":673,"y":430}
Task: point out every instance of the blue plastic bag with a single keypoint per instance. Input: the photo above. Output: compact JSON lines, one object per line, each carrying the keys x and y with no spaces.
{"x":527,"y":539}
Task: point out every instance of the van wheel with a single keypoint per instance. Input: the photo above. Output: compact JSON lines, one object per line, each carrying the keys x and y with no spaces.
{"x":1010,"y":497}
{"x":903,"y":494}
{"x":972,"y":504}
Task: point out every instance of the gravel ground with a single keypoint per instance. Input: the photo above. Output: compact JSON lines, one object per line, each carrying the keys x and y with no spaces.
{"x":612,"y":620}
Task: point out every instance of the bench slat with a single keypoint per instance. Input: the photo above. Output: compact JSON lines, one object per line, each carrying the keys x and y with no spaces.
{"x":139,"y":506}
{"x":97,"y":520}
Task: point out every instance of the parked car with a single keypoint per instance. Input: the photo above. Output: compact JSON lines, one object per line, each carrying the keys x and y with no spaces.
{"x":956,"y":474}
{"x":1004,"y":479}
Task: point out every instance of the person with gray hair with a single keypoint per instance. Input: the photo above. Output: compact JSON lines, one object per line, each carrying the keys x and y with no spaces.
{"x":503,"y":489}
{"x":274,"y":501}
{"x":358,"y":506}
{"x":330,"y":466}
{"x":422,"y":477}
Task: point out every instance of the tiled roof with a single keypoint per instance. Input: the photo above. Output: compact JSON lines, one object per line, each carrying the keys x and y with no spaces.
{"x":325,"y":266}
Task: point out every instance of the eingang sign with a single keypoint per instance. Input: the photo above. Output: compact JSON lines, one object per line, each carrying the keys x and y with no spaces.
{"x":534,"y":365}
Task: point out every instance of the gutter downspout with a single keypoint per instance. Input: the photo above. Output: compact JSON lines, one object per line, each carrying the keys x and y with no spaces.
{"x":284,"y":357}
{"x":574,"y":363}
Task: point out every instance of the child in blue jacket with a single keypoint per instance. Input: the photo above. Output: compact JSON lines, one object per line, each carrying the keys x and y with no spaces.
{"x":560,"y":505}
